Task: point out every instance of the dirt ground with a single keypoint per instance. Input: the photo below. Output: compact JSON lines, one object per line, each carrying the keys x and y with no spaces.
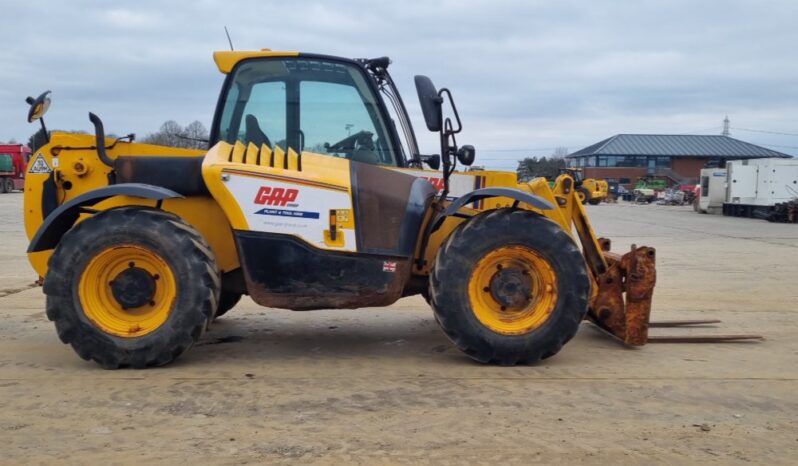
{"x":375,"y":386}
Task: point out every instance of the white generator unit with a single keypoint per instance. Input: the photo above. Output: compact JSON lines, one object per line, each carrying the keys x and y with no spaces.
{"x":713,"y":190}
{"x":754,"y":186}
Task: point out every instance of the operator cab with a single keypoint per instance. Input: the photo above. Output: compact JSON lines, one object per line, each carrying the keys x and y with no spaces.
{"x":318,"y":104}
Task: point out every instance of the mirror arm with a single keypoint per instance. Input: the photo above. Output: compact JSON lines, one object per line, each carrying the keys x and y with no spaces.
{"x":448,"y":153}
{"x":44,"y":129}
{"x":454,"y":110}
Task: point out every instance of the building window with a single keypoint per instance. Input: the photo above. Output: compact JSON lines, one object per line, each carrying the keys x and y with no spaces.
{"x":663,"y":162}
{"x":629,"y":161}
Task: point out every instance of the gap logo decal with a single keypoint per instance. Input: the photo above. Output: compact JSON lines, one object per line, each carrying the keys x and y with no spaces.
{"x":276,"y":196}
{"x":280,"y":197}
{"x":273,"y":205}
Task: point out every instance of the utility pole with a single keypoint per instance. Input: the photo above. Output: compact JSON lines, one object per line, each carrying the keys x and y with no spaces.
{"x":725,"y":127}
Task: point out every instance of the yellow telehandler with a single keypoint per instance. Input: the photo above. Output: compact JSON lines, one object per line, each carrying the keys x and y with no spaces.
{"x":314,"y":195}
{"x":589,"y":190}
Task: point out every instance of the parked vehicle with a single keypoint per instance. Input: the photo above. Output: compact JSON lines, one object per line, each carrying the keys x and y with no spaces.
{"x":13,"y":160}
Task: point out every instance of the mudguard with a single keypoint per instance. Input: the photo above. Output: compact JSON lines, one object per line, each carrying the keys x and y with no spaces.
{"x":485,"y":193}
{"x":60,"y":220}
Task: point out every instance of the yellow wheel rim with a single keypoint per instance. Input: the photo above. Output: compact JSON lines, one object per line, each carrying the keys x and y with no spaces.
{"x":581,"y":196}
{"x":513,"y":290}
{"x":100,"y":293}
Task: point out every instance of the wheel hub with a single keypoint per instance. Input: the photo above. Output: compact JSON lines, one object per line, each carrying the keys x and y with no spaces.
{"x":511,"y":288}
{"x":133,"y":287}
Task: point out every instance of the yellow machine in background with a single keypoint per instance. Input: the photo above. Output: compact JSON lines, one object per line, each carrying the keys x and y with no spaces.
{"x":314,"y":195}
{"x":594,"y":190}
{"x":590,"y":190}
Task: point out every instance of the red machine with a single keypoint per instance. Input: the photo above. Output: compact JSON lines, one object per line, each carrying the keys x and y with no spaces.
{"x":13,"y":162}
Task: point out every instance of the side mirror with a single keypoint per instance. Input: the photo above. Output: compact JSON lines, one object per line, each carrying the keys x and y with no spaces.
{"x":430,"y":102}
{"x":466,"y":155}
{"x":434,"y":161}
{"x":38,"y":106}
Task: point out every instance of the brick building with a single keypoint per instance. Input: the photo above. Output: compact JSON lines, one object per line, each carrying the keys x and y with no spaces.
{"x":624,"y":158}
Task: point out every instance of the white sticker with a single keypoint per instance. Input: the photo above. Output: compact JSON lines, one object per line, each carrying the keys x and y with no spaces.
{"x":284,"y":207}
{"x":55,"y":162}
{"x":40,"y":165}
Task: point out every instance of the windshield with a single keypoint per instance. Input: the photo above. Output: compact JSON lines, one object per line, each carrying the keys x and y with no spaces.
{"x":318,"y":105}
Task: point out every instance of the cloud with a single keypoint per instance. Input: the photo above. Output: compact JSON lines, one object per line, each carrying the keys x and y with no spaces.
{"x":525,"y":74}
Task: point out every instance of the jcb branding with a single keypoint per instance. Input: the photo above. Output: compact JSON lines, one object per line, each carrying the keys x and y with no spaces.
{"x":276,"y":196}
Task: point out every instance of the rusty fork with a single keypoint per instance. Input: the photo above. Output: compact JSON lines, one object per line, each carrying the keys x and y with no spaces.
{"x":621,"y":306}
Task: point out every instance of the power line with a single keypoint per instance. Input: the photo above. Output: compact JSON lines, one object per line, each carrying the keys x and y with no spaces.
{"x":774,"y":145}
{"x":764,"y":131}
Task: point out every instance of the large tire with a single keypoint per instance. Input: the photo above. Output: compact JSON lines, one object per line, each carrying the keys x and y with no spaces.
{"x":227,"y":301}
{"x":9,"y":185}
{"x":595,"y":201}
{"x":95,"y":280}
{"x":3,"y":186}
{"x":538,"y":248}
{"x":583,"y":194}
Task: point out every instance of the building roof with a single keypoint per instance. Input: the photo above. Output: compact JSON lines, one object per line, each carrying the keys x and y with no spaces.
{"x":676,"y":145}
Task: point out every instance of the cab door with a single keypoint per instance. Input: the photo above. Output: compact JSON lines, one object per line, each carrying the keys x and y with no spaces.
{"x":304,"y":171}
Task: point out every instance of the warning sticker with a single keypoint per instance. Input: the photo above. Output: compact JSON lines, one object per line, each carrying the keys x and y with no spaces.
{"x":40,"y":165}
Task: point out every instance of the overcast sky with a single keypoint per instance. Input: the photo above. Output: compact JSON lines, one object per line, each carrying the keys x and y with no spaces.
{"x":528,"y":76}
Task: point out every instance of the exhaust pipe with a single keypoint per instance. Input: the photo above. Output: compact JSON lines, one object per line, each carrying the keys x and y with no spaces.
{"x":99,"y":133}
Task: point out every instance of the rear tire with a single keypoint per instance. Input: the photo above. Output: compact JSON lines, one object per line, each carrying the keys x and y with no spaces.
{"x":9,"y":185}
{"x":595,"y":201}
{"x":3,"y":186}
{"x":531,"y":243}
{"x":119,"y":325}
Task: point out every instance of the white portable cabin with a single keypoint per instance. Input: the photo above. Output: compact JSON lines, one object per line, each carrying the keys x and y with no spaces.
{"x":759,"y":183}
{"x":713,"y":190}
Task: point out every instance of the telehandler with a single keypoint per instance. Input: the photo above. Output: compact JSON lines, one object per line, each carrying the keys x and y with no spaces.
{"x":589,"y":190}
{"x":314,"y":195}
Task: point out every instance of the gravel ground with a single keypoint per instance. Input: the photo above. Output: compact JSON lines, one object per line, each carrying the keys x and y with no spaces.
{"x":375,"y":386}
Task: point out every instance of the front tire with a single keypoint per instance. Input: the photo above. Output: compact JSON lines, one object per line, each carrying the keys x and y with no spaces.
{"x":509,"y":287}
{"x":131,"y":287}
{"x":583,"y":195}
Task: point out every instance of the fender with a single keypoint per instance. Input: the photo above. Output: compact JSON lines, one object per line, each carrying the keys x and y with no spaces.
{"x":485,"y":193}
{"x":60,"y":220}
{"x":477,"y":195}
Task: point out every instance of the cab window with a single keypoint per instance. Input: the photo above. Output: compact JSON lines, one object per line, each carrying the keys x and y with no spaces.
{"x":320,"y":106}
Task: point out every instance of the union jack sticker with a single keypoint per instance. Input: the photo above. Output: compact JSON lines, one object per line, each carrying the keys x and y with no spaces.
{"x":389,"y":266}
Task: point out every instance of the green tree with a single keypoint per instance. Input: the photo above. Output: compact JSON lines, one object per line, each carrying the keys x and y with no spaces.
{"x":533,"y":167}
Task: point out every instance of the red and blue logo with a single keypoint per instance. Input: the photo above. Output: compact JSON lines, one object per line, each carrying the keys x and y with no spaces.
{"x":280,"y":197}
{"x":276,"y":196}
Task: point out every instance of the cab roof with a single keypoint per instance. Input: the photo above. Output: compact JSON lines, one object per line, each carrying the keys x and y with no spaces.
{"x":227,"y":59}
